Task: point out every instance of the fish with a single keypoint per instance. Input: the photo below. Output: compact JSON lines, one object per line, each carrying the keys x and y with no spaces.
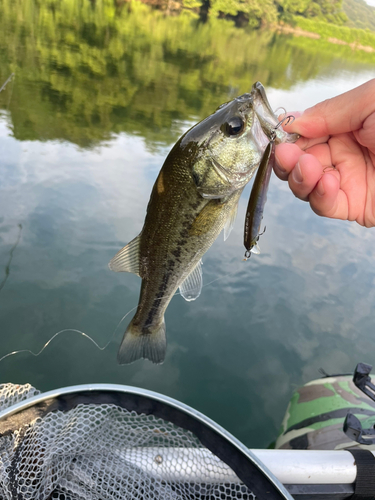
{"x":194,"y":198}
{"x":257,"y":200}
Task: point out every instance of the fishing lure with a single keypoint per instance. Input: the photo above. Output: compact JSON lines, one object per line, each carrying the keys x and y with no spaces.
{"x":258,"y":198}
{"x":258,"y":195}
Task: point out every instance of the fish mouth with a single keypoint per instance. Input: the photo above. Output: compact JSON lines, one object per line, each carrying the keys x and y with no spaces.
{"x":259,"y":90}
{"x":267,"y":118}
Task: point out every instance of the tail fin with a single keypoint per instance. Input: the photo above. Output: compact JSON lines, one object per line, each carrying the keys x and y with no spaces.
{"x":136,"y":345}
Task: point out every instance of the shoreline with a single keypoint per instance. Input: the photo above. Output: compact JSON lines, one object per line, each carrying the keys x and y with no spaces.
{"x":308,"y":34}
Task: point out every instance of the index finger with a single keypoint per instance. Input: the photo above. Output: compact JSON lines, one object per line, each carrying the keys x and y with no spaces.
{"x":341,"y":114}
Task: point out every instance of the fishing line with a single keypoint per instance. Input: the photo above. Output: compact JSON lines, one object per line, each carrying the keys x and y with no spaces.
{"x":11,"y":89}
{"x":65,"y":330}
{"x":85,"y":335}
{"x":209,"y":283}
{"x":36,"y":354}
{"x":7,"y":266}
{"x":6,"y":82}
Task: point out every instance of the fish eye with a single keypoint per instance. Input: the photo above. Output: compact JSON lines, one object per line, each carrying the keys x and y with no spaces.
{"x":233,"y":126}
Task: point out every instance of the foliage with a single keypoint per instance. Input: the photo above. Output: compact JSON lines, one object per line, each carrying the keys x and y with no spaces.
{"x":329,"y":31}
{"x":313,"y":48}
{"x":360,"y":15}
{"x":325,"y":10}
{"x":256,"y":12}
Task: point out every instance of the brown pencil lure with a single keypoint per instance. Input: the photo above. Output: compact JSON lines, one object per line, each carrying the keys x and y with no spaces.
{"x":258,"y":195}
{"x":258,"y":198}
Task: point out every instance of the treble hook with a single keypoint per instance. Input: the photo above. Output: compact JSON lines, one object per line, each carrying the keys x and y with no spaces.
{"x":281,"y":108}
{"x":288,"y":119}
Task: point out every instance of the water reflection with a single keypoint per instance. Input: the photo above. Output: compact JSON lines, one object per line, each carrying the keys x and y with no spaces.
{"x":99,"y":97}
{"x":86,"y":71}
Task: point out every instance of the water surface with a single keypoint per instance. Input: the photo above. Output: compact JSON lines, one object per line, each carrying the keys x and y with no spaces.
{"x":99,"y":97}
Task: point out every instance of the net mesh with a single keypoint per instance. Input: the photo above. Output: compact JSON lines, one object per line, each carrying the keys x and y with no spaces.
{"x":103,"y":451}
{"x":11,"y":394}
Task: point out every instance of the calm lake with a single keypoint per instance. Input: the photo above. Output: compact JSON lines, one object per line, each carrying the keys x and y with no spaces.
{"x":100,"y":95}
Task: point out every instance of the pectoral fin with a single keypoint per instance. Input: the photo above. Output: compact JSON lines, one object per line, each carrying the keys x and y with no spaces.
{"x":127,"y":259}
{"x":191,"y":288}
{"x":230,"y":222}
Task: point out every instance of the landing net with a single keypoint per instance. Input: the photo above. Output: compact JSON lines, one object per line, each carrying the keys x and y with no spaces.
{"x":107,"y":444}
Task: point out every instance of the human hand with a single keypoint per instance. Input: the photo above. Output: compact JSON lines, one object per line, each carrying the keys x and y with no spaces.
{"x":332,"y":165}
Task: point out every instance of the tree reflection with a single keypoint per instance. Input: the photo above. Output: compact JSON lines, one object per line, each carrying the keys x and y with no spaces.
{"x":87,"y":70}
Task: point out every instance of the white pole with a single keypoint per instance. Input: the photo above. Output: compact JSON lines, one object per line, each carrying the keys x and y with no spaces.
{"x":200,"y":465}
{"x":310,"y":466}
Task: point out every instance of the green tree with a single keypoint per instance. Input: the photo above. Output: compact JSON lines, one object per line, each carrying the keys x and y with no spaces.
{"x":256,"y":12}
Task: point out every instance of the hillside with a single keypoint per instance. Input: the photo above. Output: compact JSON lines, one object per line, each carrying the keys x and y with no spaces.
{"x":360,"y":15}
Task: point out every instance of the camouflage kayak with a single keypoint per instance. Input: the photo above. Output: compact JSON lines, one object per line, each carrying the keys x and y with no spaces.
{"x":316,"y":413}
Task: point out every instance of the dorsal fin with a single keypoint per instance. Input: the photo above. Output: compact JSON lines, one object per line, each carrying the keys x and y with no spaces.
{"x":127,"y":259}
{"x":191,"y":288}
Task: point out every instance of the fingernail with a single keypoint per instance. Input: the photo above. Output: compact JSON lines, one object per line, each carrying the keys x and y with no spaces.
{"x":320,"y":188}
{"x":297,"y":174}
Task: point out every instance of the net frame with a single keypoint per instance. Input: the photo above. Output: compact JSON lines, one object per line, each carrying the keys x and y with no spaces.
{"x":249,"y":469}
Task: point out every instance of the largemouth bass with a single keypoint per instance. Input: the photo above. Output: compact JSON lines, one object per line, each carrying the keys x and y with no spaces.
{"x":194,"y":198}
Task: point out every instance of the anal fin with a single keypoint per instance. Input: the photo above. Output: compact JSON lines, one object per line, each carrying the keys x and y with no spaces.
{"x":191,"y":288}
